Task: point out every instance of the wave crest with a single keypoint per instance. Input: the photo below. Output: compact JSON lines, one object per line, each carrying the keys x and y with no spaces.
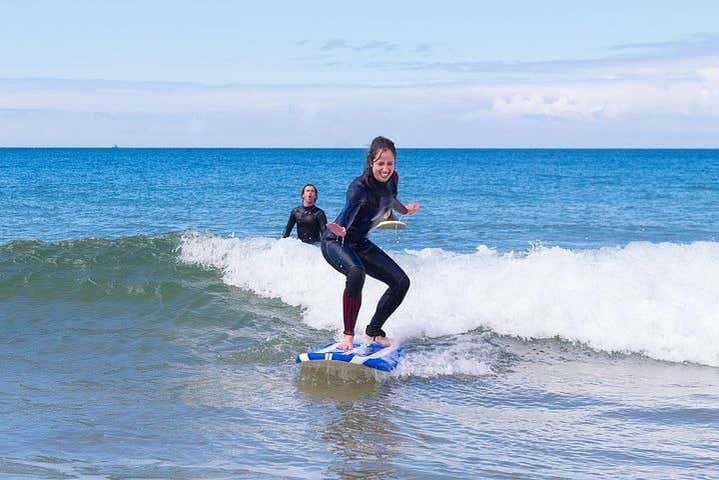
{"x":660,"y":300}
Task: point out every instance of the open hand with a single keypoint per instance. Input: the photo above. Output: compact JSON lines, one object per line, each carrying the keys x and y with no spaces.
{"x":412,"y":208}
{"x":336,"y":229}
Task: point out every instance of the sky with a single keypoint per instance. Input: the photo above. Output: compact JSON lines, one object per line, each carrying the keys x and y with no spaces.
{"x":329,"y":74}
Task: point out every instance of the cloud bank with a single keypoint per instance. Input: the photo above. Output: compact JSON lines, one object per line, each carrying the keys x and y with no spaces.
{"x":650,"y":95}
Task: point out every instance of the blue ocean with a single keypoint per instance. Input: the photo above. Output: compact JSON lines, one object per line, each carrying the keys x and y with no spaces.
{"x":562,"y":320}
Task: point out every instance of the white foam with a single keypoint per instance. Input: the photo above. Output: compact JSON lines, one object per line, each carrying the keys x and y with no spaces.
{"x":458,"y":356}
{"x":661,"y":300}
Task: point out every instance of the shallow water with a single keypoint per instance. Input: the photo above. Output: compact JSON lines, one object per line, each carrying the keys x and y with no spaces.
{"x":171,"y":355}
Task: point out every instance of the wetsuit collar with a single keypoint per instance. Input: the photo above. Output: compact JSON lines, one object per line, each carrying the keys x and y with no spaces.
{"x":375,"y":184}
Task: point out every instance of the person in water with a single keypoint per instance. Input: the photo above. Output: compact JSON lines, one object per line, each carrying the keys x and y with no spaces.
{"x":345,"y":246}
{"x":310,"y":219}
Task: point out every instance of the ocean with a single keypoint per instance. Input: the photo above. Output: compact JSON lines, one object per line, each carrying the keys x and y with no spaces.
{"x":562,"y":319}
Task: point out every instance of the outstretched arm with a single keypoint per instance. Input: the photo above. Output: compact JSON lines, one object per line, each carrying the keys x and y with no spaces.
{"x":290,"y":225}
{"x":322,"y":221}
{"x":340,"y":226}
{"x":410,"y":209}
{"x":355,"y":200}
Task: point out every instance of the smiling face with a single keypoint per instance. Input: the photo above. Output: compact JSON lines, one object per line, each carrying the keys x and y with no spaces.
{"x":309,"y":196}
{"x":383,"y":166}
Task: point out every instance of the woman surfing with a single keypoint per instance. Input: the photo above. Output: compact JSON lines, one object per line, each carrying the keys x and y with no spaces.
{"x":345,"y":246}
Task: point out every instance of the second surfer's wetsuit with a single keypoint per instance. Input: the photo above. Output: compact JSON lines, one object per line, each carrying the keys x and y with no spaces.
{"x":311,"y":222}
{"x":368,"y":201}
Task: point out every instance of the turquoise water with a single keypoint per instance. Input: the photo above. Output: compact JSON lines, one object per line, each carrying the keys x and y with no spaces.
{"x":561,"y":321}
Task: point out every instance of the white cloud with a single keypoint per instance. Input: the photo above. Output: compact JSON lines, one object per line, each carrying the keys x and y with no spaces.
{"x":659,"y":103}
{"x":334,"y":44}
{"x":696,"y":45}
{"x":710,"y":74}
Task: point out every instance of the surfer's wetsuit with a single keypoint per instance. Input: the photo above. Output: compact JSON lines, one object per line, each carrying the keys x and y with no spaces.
{"x":368,"y":201}
{"x":311,"y":222}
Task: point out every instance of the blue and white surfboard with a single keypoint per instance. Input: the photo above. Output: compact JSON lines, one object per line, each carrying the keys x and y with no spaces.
{"x":372,"y":355}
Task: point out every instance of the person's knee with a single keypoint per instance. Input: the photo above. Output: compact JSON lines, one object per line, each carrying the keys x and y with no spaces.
{"x":355,"y":280}
{"x":403,"y":284}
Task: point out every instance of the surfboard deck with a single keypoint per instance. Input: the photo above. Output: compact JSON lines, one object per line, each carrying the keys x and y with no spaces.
{"x":391,"y":225}
{"x":369,"y":355}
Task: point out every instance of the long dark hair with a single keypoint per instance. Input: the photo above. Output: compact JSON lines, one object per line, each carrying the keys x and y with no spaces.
{"x":378,"y":145}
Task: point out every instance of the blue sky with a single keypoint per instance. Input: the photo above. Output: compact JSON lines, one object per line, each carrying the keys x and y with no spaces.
{"x":453,"y":73}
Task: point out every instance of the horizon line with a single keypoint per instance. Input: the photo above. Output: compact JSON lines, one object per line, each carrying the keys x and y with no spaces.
{"x":181,"y":147}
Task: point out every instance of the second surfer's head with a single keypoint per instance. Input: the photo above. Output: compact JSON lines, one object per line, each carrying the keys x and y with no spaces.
{"x":309,"y":194}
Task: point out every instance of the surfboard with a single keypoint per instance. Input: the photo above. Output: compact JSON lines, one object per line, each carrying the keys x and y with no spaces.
{"x":370,"y":355}
{"x":391,"y":225}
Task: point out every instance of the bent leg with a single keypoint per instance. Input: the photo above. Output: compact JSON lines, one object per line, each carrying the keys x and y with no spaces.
{"x":379,"y":265}
{"x":345,"y":260}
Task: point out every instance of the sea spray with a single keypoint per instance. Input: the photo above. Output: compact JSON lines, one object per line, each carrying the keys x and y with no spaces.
{"x":660,"y":300}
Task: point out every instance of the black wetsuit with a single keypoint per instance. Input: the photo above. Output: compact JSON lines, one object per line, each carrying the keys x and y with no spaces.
{"x":368,"y":201}
{"x":311,"y":222}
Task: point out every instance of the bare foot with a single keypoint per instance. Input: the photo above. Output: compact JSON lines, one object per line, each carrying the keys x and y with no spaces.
{"x":381,"y":340}
{"x":347,"y":343}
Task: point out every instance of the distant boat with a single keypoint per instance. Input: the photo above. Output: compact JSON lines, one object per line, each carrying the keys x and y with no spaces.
{"x":115,"y":147}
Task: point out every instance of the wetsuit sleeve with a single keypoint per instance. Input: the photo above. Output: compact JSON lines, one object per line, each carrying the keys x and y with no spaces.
{"x":290,"y":225}
{"x":322,"y":221}
{"x":356,"y":197}
{"x":396,"y":204}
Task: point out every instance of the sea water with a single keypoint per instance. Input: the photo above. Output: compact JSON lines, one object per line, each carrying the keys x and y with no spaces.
{"x":562,"y":322}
